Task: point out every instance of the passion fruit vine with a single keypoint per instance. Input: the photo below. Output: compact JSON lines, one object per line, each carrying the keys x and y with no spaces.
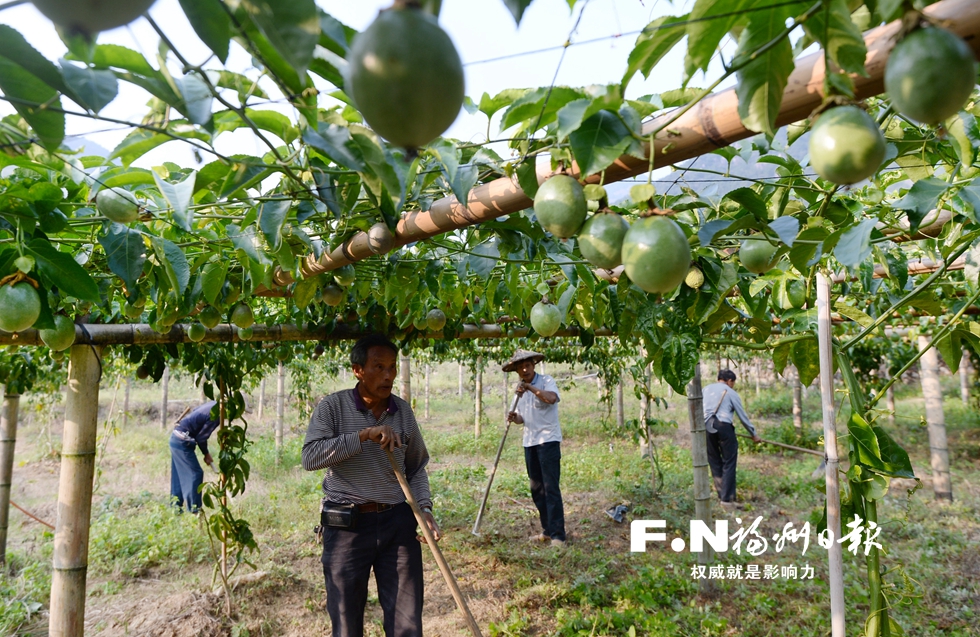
{"x":846,"y":146}
{"x":560,"y":206}
{"x":406,"y":77}
{"x":656,"y":254}
{"x":930,"y":75}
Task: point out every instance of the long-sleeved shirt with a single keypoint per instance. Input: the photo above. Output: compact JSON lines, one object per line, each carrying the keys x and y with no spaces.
{"x":359,"y":472}
{"x":540,"y":418}
{"x":731,"y":402}
{"x":198,"y":425}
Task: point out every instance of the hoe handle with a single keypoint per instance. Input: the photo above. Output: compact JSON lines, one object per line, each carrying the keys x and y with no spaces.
{"x":785,"y":446}
{"x":493,"y":472}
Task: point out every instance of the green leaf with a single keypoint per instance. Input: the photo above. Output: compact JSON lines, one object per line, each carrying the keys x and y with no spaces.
{"x":483,"y":264}
{"x":174,"y":263}
{"x":656,"y":41}
{"x":179,"y":196}
{"x":304,"y":292}
{"x":680,"y":357}
{"x":599,"y":142}
{"x":837,"y":34}
{"x":120,"y":57}
{"x":787,"y":229}
{"x":970,"y":196}
{"x":896,"y":460}
{"x":334,"y":142}
{"x":853,"y":313}
{"x":213,"y":279}
{"x":751,"y":201}
{"x":15,"y":48}
{"x":27,"y":94}
{"x":248,"y":242}
{"x":60,"y":270}
{"x":93,"y":89}
{"x":527,"y":177}
{"x":855,"y":244}
{"x":965,"y":138}
{"x":762,"y":81}
{"x":709,"y":22}
{"x":864,"y":443}
{"x":211,"y":23}
{"x":780,"y":356}
{"x":293,"y":28}
{"x":517,"y":8}
{"x":197,"y":99}
{"x":460,"y":178}
{"x":273,"y":122}
{"x":898,"y":267}
{"x":921,"y":199}
{"x":125,"y":251}
{"x":490,"y":105}
{"x":571,"y":116}
{"x":805,"y":355}
{"x":272,"y":218}
{"x":539,"y":107}
{"x":380,"y":162}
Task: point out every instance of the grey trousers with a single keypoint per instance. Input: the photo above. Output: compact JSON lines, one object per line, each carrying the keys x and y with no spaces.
{"x":386,"y":542}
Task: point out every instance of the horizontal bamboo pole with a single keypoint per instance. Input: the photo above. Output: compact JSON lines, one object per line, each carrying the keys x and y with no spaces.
{"x":713,"y":123}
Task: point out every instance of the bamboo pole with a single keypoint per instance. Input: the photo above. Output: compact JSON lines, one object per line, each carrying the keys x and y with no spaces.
{"x":713,"y":123}
{"x":8,"y":440}
{"x":447,"y":574}
{"x":128,"y":388}
{"x":280,"y":407}
{"x":478,"y":399}
{"x":428,"y":371}
{"x":163,"y":401}
{"x":620,"y":413}
{"x":936,"y":419}
{"x":785,"y":446}
{"x":702,"y":476}
{"x":71,"y":536}
{"x":965,"y":377}
{"x":405,"y":369}
{"x":835,"y":553}
{"x":261,"y":406}
{"x":797,"y":403}
{"x":459,"y":391}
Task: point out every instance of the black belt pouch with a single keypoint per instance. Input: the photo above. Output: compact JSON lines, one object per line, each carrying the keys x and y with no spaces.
{"x":339,"y":516}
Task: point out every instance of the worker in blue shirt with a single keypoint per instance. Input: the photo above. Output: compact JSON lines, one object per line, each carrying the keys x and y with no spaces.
{"x":721,"y":404}
{"x":186,"y":475}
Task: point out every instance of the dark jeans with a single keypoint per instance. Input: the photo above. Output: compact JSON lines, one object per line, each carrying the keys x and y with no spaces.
{"x":186,"y":474}
{"x":723,"y":457}
{"x":385,"y":541}
{"x":544,"y":469}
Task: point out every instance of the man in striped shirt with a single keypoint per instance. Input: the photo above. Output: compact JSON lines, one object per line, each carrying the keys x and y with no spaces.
{"x":350,"y":432}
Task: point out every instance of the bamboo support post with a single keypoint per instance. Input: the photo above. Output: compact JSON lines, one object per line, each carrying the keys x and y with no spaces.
{"x":405,"y":374}
{"x":459,"y":391}
{"x":964,"y":373}
{"x":261,"y":405}
{"x":702,"y":476}
{"x":478,"y":399}
{"x":436,"y":552}
{"x":280,"y":406}
{"x":8,"y":440}
{"x":428,"y":372}
{"x":163,"y":400}
{"x":797,"y":403}
{"x":835,"y":553}
{"x":620,"y":412}
{"x":936,"y":419}
{"x":126,"y":391}
{"x":71,"y":536}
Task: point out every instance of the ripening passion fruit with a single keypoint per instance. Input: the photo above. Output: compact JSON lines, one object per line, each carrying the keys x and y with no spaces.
{"x":196,"y":332}
{"x":757,"y":255}
{"x":846,"y":145}
{"x":62,"y":336}
{"x":242,"y":316}
{"x":344,"y":275}
{"x":332,"y":294}
{"x":209,"y":317}
{"x":245,"y":333}
{"x":560,"y":206}
{"x":20,"y":305}
{"x":91,"y":16}
{"x":656,"y":254}
{"x":545,"y":318}
{"x":601,"y":239}
{"x":118,"y":205}
{"x":406,"y":77}
{"x":930,"y":74}
{"x":435,"y":320}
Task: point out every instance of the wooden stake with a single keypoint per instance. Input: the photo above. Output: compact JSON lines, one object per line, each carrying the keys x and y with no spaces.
{"x":280,"y":408}
{"x":936,"y":419}
{"x":478,"y":399}
{"x":8,"y":439}
{"x":163,"y":402}
{"x":258,"y":415}
{"x":620,"y":413}
{"x":71,"y":536}
{"x":702,"y":476}
{"x":459,"y":392}
{"x":129,"y":386}
{"x":405,"y":369}
{"x":428,"y":371}
{"x":436,"y":552}
{"x":797,"y":403}
{"x":965,"y":377}
{"x":835,"y":554}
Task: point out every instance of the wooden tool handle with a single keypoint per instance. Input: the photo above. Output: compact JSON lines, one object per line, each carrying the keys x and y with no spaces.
{"x":785,"y":446}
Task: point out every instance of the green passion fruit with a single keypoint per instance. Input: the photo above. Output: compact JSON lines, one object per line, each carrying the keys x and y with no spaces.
{"x":209,"y":317}
{"x":196,"y":332}
{"x":406,"y":77}
{"x":62,"y":336}
{"x":601,"y":239}
{"x":118,"y":205}
{"x":545,"y":318}
{"x":656,"y":254}
{"x":435,"y":320}
{"x":846,"y":146}
{"x":930,"y":75}
{"x":344,"y":275}
{"x":132,"y":311}
{"x":245,"y":333}
{"x":92,"y":16}
{"x":242,"y":316}
{"x":20,"y":305}
{"x":332,"y":294}
{"x":757,"y":255}
{"x":560,"y":206}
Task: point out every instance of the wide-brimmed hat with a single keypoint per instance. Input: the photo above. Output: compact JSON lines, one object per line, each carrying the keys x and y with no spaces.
{"x":519,"y":356}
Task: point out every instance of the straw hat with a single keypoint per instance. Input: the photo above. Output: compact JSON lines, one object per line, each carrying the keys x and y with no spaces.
{"x":519,"y":356}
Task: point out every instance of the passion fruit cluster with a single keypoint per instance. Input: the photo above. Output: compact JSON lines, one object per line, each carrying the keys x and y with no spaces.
{"x":654,"y":250}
